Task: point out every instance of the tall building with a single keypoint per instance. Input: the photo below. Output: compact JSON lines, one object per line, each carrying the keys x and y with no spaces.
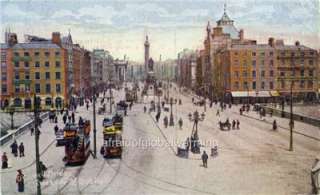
{"x":146,"y":55}
{"x":38,"y":66}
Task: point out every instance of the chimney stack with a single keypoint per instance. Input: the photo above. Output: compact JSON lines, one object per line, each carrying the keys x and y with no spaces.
{"x":297,"y":43}
{"x":271,"y":42}
{"x":241,"y":35}
{"x":56,"y":38}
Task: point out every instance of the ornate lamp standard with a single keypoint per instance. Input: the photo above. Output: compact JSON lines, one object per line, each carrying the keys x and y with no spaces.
{"x":195,"y":117}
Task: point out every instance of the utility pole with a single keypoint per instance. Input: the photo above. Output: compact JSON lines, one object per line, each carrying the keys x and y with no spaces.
{"x":94,"y":124}
{"x":37,"y":133}
{"x":291,"y":118}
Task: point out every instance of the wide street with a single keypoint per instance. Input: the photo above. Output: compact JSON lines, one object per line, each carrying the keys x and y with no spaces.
{"x":251,"y":160}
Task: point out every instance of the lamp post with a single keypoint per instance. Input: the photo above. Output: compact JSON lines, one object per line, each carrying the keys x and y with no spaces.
{"x":195,"y":117}
{"x":37,"y":133}
{"x":171,"y":121}
{"x":94,"y":123}
{"x":11,"y":112}
{"x":291,"y":118}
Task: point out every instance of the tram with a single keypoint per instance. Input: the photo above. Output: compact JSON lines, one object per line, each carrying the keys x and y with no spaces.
{"x":112,"y":142}
{"x":76,"y":140}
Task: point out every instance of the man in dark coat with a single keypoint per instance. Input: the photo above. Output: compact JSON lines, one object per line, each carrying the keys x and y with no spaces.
{"x":21,"y":149}
{"x":14,"y":148}
{"x":204,"y":159}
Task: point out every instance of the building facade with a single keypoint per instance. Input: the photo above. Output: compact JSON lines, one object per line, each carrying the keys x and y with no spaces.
{"x":38,"y":67}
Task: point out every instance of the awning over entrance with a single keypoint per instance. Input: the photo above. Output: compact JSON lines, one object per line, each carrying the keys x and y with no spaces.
{"x":274,"y":93}
{"x":240,"y":94}
{"x":263,"y":94}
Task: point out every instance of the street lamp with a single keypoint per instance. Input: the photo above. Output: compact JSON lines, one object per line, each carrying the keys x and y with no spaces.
{"x":36,"y":108}
{"x":11,"y":112}
{"x":195,"y":117}
{"x":171,"y":121}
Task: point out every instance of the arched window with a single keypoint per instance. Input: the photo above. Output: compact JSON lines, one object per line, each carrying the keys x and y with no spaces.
{"x":48,"y":101}
{"x":17,"y":102}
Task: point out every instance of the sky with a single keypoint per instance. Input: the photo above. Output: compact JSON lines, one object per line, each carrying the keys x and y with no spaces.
{"x":120,"y":26}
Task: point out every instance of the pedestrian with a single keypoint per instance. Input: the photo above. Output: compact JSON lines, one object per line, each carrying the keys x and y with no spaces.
{"x":73,"y":118}
{"x":64,"y":118}
{"x":238,"y":124}
{"x":69,"y":119}
{"x":165,"y":121}
{"x":274,"y":125}
{"x":14,"y":148}
{"x":43,"y":168}
{"x":144,"y":109}
{"x":180,"y":123}
{"x":87,"y":105}
{"x":56,"y":129}
{"x":20,"y":181}
{"x":4,"y":159}
{"x":40,"y":122}
{"x":21,"y":149}
{"x":218,"y":112}
{"x":158,"y":116}
{"x":56,"y":119}
{"x":80,"y":121}
{"x":188,"y":144}
{"x":233,"y":124}
{"x":204,"y":159}
{"x":32,"y":131}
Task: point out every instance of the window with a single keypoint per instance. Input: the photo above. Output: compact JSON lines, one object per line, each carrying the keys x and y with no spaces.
{"x":245,"y":85}
{"x":27,"y":76}
{"x":283,"y":62}
{"x":262,"y":85}
{"x":235,"y":53}
{"x":26,"y":53}
{"x":311,"y":62}
{"x":310,"y":73}
{"x":47,"y":75}
{"x":310,"y":84}
{"x":58,"y":64}
{"x":16,"y":76}
{"x":58,"y":75}
{"x":4,"y":88}
{"x":26,"y":64}
{"x":36,"y":54}
{"x":271,"y":53}
{"x":302,"y":73}
{"x":262,"y":62}
{"x":236,"y":85}
{"x":271,"y":62}
{"x":47,"y":64}
{"x":254,"y":85}
{"x":253,"y":53}
{"x":16,"y":54}
{"x":283,"y":53}
{"x":244,"y":74}
{"x":271,"y":85}
{"x":3,"y":76}
{"x":236,"y":74}
{"x":58,"y":88}
{"x":262,"y":73}
{"x":16,"y":64}
{"x":254,"y":74}
{"x":292,"y":54}
{"x":262,"y":54}
{"x":37,"y":75}
{"x":57,"y":53}
{"x":282,"y":74}
{"x":271,"y":73}
{"x":48,"y":88}
{"x":253,"y":63}
{"x":301,"y":84}
{"x":27,"y":87}
{"x":37,"y":87}
{"x":37,"y":64}
{"x":311,"y":53}
{"x":47,"y":54}
{"x":283,"y":84}
{"x":17,"y":88}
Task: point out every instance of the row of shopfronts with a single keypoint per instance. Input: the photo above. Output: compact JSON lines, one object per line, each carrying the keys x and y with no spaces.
{"x":27,"y":103}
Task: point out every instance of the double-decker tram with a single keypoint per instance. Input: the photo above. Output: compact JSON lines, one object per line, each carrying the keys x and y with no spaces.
{"x":76,"y":140}
{"x":112,"y":142}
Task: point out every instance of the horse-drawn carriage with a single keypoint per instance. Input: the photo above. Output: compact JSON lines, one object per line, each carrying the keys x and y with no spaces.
{"x":223,"y":125}
{"x":199,"y":103}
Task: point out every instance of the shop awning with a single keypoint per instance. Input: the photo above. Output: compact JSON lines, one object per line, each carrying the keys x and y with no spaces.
{"x":263,"y":94}
{"x":274,"y":93}
{"x":240,"y":94}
